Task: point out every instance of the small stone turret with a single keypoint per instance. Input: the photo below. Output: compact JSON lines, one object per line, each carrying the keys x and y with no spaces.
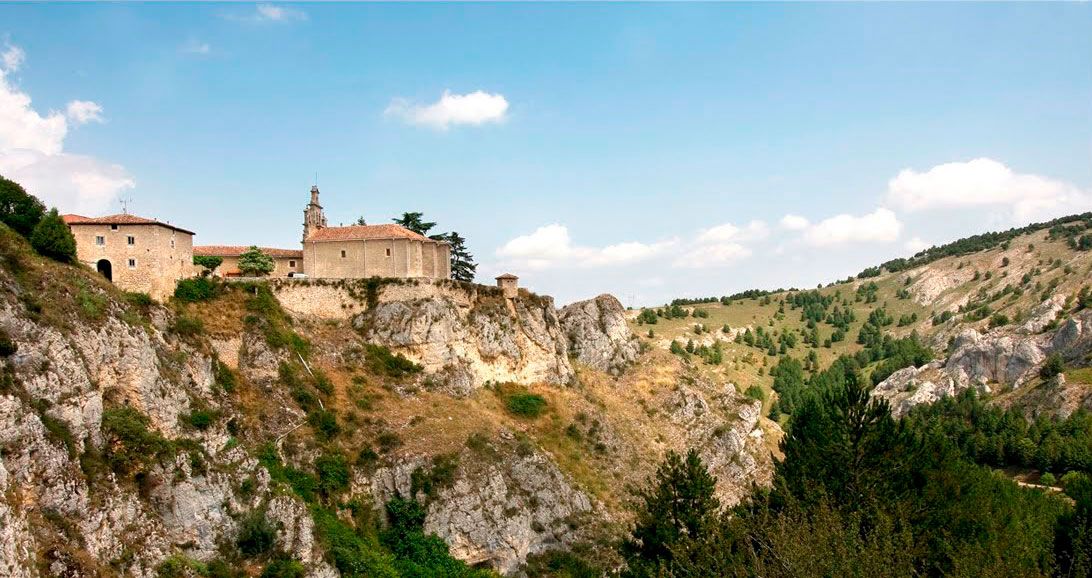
{"x":509,"y":284}
{"x":313,"y":218}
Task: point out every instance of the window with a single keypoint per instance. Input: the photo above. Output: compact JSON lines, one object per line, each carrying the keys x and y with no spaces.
{"x":291,"y":263}
{"x":113,"y":227}
{"x":131,"y":240}
{"x":132,"y":263}
{"x":343,"y":253}
{"x":388,"y":252}
{"x":100,"y":240}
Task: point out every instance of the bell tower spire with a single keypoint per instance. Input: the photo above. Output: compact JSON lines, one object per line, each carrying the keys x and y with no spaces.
{"x":313,"y":219}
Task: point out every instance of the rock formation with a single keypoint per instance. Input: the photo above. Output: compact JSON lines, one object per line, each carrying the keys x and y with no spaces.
{"x":598,"y":335}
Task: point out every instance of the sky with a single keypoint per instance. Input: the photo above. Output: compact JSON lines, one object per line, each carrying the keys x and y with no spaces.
{"x":650,"y":151}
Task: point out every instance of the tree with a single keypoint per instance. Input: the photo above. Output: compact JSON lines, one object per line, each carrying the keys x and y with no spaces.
{"x":52,"y":238}
{"x":463,"y":266}
{"x":413,"y":222}
{"x":19,"y":209}
{"x":360,"y":220}
{"x":208,"y":262}
{"x":677,"y":505}
{"x":1052,"y":366}
{"x":254,"y":263}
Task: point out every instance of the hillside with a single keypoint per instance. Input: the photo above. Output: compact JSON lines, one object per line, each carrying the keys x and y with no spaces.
{"x":1020,"y":284}
{"x":333,"y":428}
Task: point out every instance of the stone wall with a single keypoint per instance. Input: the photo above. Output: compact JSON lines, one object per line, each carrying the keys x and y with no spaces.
{"x":402,"y":258}
{"x":161,"y":255}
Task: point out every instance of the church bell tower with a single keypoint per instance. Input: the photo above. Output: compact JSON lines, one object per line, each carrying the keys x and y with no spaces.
{"x":313,"y":219}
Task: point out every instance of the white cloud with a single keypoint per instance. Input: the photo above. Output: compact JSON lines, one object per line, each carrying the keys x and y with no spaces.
{"x":916,"y":244}
{"x":32,"y":152}
{"x":794,"y":222}
{"x":550,"y":246}
{"x":880,"y":225}
{"x":475,"y":108}
{"x":279,"y":13}
{"x":984,"y":182}
{"x":704,"y":256}
{"x":752,"y":231}
{"x":84,"y":111}
{"x":12,"y":58}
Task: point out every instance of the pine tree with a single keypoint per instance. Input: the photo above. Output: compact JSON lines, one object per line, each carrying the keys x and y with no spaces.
{"x":255,"y":263}
{"x":677,"y":505}
{"x":463,"y":266}
{"x":52,"y":238}
{"x":413,"y":222}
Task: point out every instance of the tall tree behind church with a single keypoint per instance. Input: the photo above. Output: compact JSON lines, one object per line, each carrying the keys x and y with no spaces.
{"x":463,"y":266}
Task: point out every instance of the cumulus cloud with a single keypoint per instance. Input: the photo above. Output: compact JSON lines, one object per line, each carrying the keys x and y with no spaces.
{"x":879,"y":226}
{"x":714,"y":255}
{"x":32,"y":150}
{"x":475,"y":108}
{"x":794,"y":222}
{"x":984,"y":182}
{"x":752,"y":231}
{"x":84,"y":111}
{"x":915,"y":244}
{"x":12,"y":58}
{"x":551,"y":246}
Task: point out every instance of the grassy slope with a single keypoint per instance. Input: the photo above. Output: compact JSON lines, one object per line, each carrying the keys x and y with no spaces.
{"x":746,"y":366}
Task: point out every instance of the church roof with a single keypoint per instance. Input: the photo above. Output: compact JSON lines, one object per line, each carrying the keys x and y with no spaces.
{"x":365,"y":232}
{"x":236,"y":250}
{"x":119,"y":219}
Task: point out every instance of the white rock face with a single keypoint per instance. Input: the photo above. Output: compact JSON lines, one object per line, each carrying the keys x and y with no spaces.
{"x":986,"y":362}
{"x":598,"y":334}
{"x":464,"y":346}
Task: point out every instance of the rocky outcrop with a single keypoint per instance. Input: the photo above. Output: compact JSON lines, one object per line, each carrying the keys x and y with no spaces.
{"x":986,"y":362}
{"x":505,"y":502}
{"x":463,"y":346}
{"x":598,"y":334}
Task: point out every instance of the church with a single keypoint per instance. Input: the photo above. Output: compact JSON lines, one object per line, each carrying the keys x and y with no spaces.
{"x":351,"y":252}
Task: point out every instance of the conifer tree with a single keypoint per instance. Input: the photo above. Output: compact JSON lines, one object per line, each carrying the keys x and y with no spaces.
{"x":463,"y":266}
{"x":52,"y":238}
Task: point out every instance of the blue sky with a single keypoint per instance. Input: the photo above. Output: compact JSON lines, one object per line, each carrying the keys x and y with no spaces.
{"x":647,"y":150}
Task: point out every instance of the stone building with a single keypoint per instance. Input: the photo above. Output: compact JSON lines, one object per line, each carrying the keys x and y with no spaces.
{"x":358,"y":251}
{"x":135,"y":253}
{"x":286,"y":262}
{"x":509,"y":285}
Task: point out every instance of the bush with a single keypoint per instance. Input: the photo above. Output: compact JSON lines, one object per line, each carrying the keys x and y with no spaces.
{"x":324,"y":423}
{"x":200,"y":419}
{"x":19,"y":209}
{"x":755,"y":392}
{"x":256,"y":535}
{"x":381,"y":361}
{"x":333,"y":473}
{"x":1047,"y":479}
{"x":195,"y":289}
{"x":525,"y":404}
{"x":129,"y":443}
{"x":1053,"y":366}
{"x":138,"y":299}
{"x":7,"y":346}
{"x":283,"y":567}
{"x":998,"y":319}
{"x":185,"y":326}
{"x":52,"y":238}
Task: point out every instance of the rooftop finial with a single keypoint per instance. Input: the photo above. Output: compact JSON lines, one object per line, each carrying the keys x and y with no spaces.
{"x":125,"y":205}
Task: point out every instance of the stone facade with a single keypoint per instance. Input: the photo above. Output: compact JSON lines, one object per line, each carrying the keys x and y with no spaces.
{"x":360,"y":251}
{"x":286,"y":262}
{"x":135,"y":253}
{"x":509,"y":284}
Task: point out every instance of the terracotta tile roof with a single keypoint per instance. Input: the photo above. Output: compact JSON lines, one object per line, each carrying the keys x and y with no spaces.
{"x":507,"y":276}
{"x":359,"y":232}
{"x":119,"y":219}
{"x":236,"y":250}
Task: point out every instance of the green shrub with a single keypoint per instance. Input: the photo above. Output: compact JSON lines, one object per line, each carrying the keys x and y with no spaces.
{"x":19,"y":209}
{"x":129,"y":444}
{"x":381,"y":361}
{"x":1052,"y":366}
{"x":439,"y":475}
{"x":1047,"y":479}
{"x":186,"y":326}
{"x":755,"y":392}
{"x":283,"y":567}
{"x":138,"y":299}
{"x":7,"y":346}
{"x":388,"y":441}
{"x":998,"y":320}
{"x":225,"y":379}
{"x":353,"y":552}
{"x":200,"y":419}
{"x":324,"y":423}
{"x":525,"y":404}
{"x":196,"y":289}
{"x":333,"y":473}
{"x":52,"y":238}
{"x":256,"y":535}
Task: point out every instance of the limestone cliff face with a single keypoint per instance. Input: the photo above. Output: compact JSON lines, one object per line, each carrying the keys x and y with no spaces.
{"x":59,"y":515}
{"x":598,"y":334}
{"x":463,"y":346}
{"x":991,"y":361}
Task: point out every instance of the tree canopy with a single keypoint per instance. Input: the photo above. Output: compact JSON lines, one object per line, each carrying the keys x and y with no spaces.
{"x":52,"y":238}
{"x":19,"y":209}
{"x":208,"y":262}
{"x":255,"y":263}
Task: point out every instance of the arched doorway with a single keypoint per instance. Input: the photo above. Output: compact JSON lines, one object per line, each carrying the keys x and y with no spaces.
{"x":106,"y":269}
